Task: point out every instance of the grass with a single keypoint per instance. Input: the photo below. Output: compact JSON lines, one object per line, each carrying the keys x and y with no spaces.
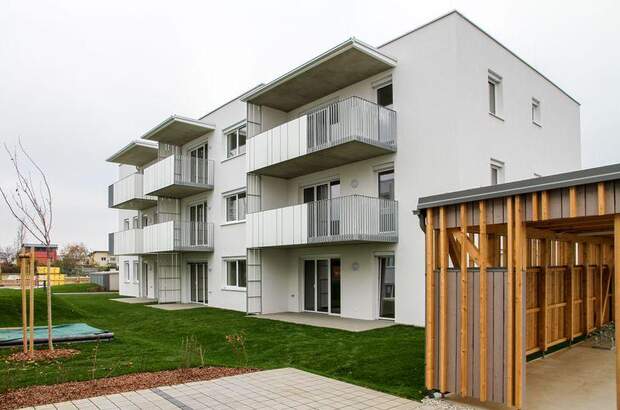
{"x":75,"y":288}
{"x":147,"y":339}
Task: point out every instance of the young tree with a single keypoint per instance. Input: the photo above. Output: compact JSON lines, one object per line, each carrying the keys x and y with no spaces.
{"x":31,"y":204}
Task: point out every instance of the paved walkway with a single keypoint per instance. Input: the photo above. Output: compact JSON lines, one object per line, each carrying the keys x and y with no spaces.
{"x":135,"y":301}
{"x":323,"y":320}
{"x":271,"y":389}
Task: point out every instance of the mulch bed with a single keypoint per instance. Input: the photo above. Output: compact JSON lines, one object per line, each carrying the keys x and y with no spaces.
{"x":38,"y":395}
{"x":42,"y":355}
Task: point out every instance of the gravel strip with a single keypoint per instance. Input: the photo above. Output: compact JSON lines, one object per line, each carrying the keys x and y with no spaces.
{"x":39,"y":395}
{"x":445,"y":404}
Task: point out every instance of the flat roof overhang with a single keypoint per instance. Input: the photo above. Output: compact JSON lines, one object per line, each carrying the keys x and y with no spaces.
{"x":177,"y":130}
{"x":344,"y":153}
{"x":181,"y":190}
{"x":136,"y":204}
{"x":343,"y":65}
{"x":137,"y":153}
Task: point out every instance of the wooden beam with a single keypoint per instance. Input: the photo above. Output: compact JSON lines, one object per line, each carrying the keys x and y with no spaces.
{"x":443,"y":300}
{"x":483,"y":264}
{"x":570,"y":293}
{"x":535,"y":206}
{"x":454,"y":250}
{"x":601,"y":198}
{"x":464,"y":345}
{"x":588,"y":286}
{"x":537,"y":233}
{"x":430,"y":300}
{"x":468,"y":246}
{"x":520,"y":257}
{"x":509,"y":303}
{"x":542,"y":292}
{"x":572,"y":201}
{"x":544,"y":203}
{"x":617,"y":298}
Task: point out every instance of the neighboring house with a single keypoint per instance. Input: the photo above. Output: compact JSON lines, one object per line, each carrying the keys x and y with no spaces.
{"x":40,"y":252}
{"x":101,"y":258}
{"x":297,"y":196}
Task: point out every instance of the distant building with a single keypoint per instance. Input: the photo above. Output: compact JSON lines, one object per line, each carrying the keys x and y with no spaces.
{"x":40,"y":252}
{"x":101,"y":258}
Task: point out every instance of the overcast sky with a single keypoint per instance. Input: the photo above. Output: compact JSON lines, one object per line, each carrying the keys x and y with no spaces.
{"x":80,"y":79}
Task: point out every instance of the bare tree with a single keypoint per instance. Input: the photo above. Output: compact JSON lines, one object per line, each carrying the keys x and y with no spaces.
{"x":31,"y":204}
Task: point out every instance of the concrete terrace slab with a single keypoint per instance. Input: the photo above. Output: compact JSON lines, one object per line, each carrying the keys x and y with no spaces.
{"x":271,"y":389}
{"x":135,"y":301}
{"x":177,"y":306}
{"x":332,"y":322}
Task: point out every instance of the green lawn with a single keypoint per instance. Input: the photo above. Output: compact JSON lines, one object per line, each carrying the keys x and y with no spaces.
{"x":147,"y":339}
{"x":75,"y":288}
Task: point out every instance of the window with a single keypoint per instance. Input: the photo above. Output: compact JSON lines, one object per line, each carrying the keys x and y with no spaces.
{"x":127,"y":272}
{"x":145,"y":221}
{"x":235,"y":141}
{"x":136,"y":271}
{"x":385,"y":96}
{"x":198,"y":169}
{"x":495,"y":94}
{"x":126,"y":224}
{"x":235,"y":207}
{"x":135,"y":223}
{"x":497,"y":172}
{"x":386,"y":184}
{"x":535,"y":111}
{"x":236,"y":273}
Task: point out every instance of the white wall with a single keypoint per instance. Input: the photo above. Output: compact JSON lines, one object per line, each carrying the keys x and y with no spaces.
{"x":131,"y":287}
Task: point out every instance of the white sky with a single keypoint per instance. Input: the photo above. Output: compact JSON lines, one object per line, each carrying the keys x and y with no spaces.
{"x":79,"y":79}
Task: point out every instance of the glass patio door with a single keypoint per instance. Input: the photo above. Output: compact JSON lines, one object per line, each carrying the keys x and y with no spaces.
{"x":322,"y":285}
{"x":198,"y":282}
{"x":197,"y":223}
{"x":387,"y":294}
{"x":387,"y":214}
{"x":197,"y":165}
{"x":323,"y":212}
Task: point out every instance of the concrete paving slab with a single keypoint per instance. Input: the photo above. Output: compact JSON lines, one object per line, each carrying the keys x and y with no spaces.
{"x":328,"y":321}
{"x":177,"y":306}
{"x":136,"y":301}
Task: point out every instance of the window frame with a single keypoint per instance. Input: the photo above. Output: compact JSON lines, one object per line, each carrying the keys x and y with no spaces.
{"x":384,"y":86}
{"x":127,"y":266}
{"x":495,"y":104}
{"x":499,"y":167}
{"x":236,"y":262}
{"x":136,"y":271}
{"x":237,"y":198}
{"x":536,"y":112}
{"x":239,"y":149}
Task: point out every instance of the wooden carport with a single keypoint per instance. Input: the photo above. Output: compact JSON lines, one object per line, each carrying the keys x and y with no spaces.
{"x":514,"y":270}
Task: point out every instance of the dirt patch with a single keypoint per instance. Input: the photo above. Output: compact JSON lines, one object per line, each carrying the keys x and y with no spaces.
{"x":42,"y":355}
{"x":38,"y":395}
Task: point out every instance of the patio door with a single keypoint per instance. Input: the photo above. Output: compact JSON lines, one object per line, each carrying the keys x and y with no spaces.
{"x":198,"y":165}
{"x":322,"y":285}
{"x":145,"y":279}
{"x":198,"y":282}
{"x":387,"y":212}
{"x":197,"y":224}
{"x":323,"y":211}
{"x":387,"y":291}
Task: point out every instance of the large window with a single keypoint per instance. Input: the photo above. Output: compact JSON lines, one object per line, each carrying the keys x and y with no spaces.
{"x":236,"y":273}
{"x":235,"y":207}
{"x":497,"y":172}
{"x":385,"y":96}
{"x":235,"y":141}
{"x":136,"y":271}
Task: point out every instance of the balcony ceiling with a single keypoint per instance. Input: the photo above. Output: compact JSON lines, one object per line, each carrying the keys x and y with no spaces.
{"x":178,"y":130}
{"x":345,"y":64}
{"x":137,"y":153}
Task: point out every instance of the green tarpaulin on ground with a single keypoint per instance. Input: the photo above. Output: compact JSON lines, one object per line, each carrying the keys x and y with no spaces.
{"x":72,"y":332}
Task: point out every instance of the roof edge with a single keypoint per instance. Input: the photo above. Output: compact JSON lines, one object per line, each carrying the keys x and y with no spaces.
{"x":176,"y":118}
{"x":142,"y":143}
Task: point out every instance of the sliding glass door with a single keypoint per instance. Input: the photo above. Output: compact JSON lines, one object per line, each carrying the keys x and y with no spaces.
{"x":198,"y":282}
{"x":198,"y":165}
{"x":387,"y":295}
{"x":197,"y":224}
{"x":323,"y":215}
{"x":322,"y":285}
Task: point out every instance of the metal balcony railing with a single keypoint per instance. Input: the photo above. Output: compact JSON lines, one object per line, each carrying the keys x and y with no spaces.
{"x":348,"y":119}
{"x":179,"y":170}
{"x":178,"y":236}
{"x":127,"y":242}
{"x":127,"y":193}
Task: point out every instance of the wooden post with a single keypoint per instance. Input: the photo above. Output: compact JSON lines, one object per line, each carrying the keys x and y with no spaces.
{"x":520,"y":257}
{"x":601,"y":198}
{"x":464,"y":305}
{"x":546,"y":243}
{"x":443,"y":300}
{"x":572,"y":201}
{"x":430,"y":300}
{"x":588,"y":286}
{"x":599,"y":263}
{"x":570,"y":292}
{"x":484,"y":258}
{"x":509,"y":301}
{"x":22,"y":280}
{"x":544,"y":203}
{"x":31,"y":299}
{"x":617,"y":299}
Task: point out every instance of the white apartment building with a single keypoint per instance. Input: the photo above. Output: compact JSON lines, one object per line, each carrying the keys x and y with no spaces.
{"x":298,"y":195}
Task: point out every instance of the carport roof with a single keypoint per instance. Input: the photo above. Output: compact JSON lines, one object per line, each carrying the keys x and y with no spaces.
{"x":564,"y":180}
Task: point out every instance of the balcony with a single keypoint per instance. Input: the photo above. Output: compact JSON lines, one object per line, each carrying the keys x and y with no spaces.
{"x":127,"y":242}
{"x":127,"y":193}
{"x":178,"y":176}
{"x":174,"y":236}
{"x":348,"y":219}
{"x":329,"y":136}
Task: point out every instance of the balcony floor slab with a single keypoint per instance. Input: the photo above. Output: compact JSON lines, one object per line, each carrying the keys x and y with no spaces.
{"x":181,"y":190}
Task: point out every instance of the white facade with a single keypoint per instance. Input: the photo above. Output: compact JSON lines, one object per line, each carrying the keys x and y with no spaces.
{"x":441,"y":76}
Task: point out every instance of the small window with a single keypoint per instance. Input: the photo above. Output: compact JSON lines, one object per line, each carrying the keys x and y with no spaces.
{"x":497,"y":172}
{"x":127,"y":272}
{"x":236,"y":207}
{"x":492,"y":98}
{"x":235,"y":141}
{"x":126,"y":224}
{"x":384,"y":96}
{"x":386,"y":184}
{"x":494,"y":82}
{"x":136,"y":272}
{"x":535,"y":111}
{"x":236,"y":275}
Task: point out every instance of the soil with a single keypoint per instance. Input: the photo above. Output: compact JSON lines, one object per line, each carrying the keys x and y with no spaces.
{"x":39,"y":395}
{"x":42,"y":355}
